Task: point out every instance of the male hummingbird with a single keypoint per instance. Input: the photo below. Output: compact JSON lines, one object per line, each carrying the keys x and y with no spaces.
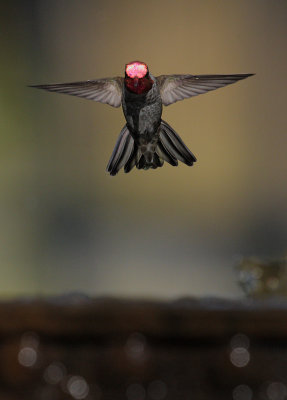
{"x":146,"y":141}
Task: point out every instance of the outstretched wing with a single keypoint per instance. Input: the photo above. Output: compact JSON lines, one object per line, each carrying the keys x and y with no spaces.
{"x":179,"y":87}
{"x":106,"y":90}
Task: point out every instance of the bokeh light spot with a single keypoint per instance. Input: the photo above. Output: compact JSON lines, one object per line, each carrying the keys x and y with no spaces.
{"x":242,"y":392}
{"x":54,"y":373}
{"x":27,"y":357}
{"x":78,"y":387}
{"x":135,"y":346}
{"x":239,"y":357}
{"x":240,"y":340}
{"x":30,"y":339}
{"x":276,"y":391}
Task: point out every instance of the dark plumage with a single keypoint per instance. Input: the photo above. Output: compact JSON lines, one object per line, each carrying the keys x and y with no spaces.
{"x":146,"y":141}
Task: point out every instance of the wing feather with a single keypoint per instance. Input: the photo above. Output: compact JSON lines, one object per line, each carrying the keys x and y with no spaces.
{"x":106,"y":90}
{"x":179,"y":87}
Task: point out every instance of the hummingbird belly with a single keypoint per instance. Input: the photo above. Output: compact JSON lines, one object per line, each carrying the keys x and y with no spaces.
{"x":143,"y":121}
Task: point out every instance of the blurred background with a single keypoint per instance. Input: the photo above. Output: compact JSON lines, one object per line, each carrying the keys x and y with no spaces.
{"x":66,"y":225}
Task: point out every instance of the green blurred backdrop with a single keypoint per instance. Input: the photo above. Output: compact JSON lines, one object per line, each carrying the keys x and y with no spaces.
{"x":66,"y":225}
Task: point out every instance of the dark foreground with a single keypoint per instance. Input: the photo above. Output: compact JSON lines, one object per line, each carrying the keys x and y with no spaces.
{"x":74,"y":347}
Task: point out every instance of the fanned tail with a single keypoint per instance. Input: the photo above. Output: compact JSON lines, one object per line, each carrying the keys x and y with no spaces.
{"x":169,"y":148}
{"x":123,"y":154}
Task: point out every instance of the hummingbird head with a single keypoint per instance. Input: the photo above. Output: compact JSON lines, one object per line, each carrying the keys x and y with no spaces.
{"x":137,"y":78}
{"x":136,"y":69}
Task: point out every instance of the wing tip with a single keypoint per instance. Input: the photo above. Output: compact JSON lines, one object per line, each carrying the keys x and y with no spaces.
{"x":247,"y":75}
{"x":38,"y":86}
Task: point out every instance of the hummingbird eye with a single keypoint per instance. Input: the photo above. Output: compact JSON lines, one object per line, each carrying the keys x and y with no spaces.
{"x":136,"y":69}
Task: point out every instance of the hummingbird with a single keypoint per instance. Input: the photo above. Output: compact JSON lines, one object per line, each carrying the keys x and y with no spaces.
{"x":146,"y":140}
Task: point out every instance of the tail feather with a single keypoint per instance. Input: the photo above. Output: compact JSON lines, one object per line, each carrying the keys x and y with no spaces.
{"x":175,"y":145}
{"x":132,"y":160}
{"x":170,"y":146}
{"x":165,"y":153}
{"x":129,"y":145}
{"x":158,"y":160}
{"x":122,"y":151}
{"x":128,"y":154}
{"x":142,"y":163}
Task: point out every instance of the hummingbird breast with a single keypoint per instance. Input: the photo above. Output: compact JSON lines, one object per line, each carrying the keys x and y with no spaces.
{"x":143,"y":113}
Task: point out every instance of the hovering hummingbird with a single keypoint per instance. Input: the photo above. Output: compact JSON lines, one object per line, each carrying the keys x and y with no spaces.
{"x":146,"y":141}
